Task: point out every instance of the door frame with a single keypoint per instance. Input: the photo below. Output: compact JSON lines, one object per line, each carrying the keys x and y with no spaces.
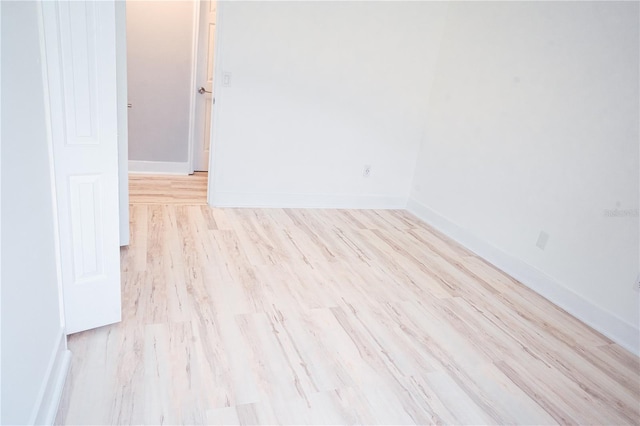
{"x":218,"y":99}
{"x":192,"y":85}
{"x":123,"y":120}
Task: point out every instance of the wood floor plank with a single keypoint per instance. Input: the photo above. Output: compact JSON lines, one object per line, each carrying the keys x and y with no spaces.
{"x":287,"y":316}
{"x":168,"y":189}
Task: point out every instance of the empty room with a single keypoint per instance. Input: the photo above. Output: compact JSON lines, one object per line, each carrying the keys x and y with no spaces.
{"x":320,"y":212}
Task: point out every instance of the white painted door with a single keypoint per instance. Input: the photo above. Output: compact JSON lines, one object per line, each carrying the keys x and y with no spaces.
{"x":204,"y":82}
{"x":81,"y":76}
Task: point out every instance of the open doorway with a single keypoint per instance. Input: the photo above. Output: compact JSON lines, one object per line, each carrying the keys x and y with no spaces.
{"x":170,"y":70}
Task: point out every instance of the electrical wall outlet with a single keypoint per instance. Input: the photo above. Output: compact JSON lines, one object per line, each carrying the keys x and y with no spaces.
{"x":366,"y":172}
{"x":542,"y":240}
{"x":226,"y":79}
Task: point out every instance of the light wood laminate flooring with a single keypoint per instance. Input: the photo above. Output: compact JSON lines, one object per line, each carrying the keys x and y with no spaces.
{"x":168,"y":189}
{"x":265,"y":316}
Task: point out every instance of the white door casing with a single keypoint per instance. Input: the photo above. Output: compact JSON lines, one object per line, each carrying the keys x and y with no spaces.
{"x":204,"y":78}
{"x":123,"y":123}
{"x":81,"y":75}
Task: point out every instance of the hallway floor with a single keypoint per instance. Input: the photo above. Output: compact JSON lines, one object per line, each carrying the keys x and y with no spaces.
{"x":168,"y":189}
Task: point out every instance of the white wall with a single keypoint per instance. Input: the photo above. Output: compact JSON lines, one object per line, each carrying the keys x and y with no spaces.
{"x":532,"y":126}
{"x":159,"y":43}
{"x":318,"y":90}
{"x":33,"y":342}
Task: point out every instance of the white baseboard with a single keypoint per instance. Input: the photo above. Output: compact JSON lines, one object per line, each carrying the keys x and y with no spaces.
{"x":46,"y":408}
{"x":302,"y":201}
{"x":624,"y":334}
{"x":159,"y":167}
